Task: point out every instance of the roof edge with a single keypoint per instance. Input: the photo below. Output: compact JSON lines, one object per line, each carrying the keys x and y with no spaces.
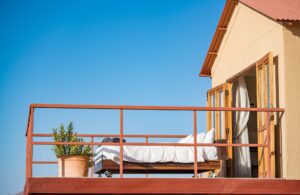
{"x":217,"y":38}
{"x":221,"y":29}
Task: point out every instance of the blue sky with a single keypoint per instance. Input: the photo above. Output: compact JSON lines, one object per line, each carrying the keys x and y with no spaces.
{"x":99,"y":52}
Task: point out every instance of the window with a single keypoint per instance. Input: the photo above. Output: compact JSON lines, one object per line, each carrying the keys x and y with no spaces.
{"x":220,"y":96}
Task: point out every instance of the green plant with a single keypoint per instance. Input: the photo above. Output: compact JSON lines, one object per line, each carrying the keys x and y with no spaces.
{"x":68,"y":135}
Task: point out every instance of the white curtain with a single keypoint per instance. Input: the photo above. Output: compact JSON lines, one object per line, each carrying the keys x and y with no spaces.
{"x":242,"y":161}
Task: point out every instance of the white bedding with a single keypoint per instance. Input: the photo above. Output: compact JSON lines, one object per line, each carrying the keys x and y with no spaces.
{"x":152,"y":154}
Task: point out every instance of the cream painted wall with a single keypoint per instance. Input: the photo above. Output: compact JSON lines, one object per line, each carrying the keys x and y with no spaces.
{"x":250,"y":36}
{"x":292,"y":90}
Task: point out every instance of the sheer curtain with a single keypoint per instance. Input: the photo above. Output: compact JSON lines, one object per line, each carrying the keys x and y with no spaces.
{"x":242,"y":161}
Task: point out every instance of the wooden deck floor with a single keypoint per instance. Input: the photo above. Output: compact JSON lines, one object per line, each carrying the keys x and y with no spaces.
{"x":160,"y":186}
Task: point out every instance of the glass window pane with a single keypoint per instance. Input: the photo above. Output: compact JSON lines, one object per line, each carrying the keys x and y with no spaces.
{"x":213,"y":115}
{"x":222,"y":116}
{"x":262,"y":94}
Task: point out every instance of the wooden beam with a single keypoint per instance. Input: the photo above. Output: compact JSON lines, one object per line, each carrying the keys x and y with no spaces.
{"x":121,"y":144}
{"x":118,"y":135}
{"x":149,"y":144}
{"x":44,"y":162}
{"x":160,"y":168}
{"x":218,"y":37}
{"x":222,"y":28}
{"x":195,"y":145}
{"x":213,"y":53}
{"x":161,"y":186}
{"x":166,"y":108}
{"x":29,"y":143}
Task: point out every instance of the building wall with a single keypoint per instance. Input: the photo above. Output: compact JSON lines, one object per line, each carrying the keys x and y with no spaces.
{"x":249,"y":37}
{"x":292,"y":91}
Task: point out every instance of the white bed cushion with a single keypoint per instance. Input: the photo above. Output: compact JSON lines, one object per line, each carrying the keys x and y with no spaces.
{"x":190,"y":138}
{"x":210,"y":152}
{"x":186,"y":139}
{"x":151,"y":154}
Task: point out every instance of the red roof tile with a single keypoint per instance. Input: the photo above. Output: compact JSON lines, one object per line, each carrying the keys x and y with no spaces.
{"x":276,"y":9}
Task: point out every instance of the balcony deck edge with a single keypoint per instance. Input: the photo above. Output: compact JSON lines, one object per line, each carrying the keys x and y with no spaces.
{"x":47,"y":185}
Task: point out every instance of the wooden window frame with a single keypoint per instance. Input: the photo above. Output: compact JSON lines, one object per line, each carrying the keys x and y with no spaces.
{"x":265,"y":67}
{"x":216,"y":93}
{"x":227,"y":124}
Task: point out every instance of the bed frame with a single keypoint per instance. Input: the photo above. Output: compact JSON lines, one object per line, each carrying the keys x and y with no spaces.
{"x":154,"y":168}
{"x":105,"y":165}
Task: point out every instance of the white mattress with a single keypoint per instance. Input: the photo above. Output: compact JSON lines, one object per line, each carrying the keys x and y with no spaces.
{"x":151,"y":154}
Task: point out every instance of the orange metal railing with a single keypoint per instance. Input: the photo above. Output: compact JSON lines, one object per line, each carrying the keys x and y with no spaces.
{"x":30,"y":134}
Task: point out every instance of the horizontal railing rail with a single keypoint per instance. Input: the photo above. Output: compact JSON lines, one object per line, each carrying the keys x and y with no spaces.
{"x":149,"y":144}
{"x":174,"y":108}
{"x":30,"y":134}
{"x":117,"y":135}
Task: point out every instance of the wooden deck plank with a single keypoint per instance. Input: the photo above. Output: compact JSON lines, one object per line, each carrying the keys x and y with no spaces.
{"x":161,"y":186}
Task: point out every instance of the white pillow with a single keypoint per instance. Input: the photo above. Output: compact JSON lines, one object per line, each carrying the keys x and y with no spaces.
{"x":190,"y":138}
{"x":200,"y":137}
{"x":187,"y":139}
{"x":210,"y":152}
{"x":209,"y":137}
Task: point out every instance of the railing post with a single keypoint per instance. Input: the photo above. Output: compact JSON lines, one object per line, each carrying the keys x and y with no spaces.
{"x":121,"y":143}
{"x":29,"y":148}
{"x":93,"y":167}
{"x":147,"y":140}
{"x":195,"y":146}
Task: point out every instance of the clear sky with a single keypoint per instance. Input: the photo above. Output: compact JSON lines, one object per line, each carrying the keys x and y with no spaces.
{"x":98,"y":52}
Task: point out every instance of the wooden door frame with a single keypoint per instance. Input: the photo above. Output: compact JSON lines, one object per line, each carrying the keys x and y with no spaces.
{"x":268,"y":58}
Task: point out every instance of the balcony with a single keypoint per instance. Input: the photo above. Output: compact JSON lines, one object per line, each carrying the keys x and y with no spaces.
{"x":175,"y":185}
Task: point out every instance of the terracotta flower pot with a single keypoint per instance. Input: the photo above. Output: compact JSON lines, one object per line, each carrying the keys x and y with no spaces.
{"x":73,"y":166}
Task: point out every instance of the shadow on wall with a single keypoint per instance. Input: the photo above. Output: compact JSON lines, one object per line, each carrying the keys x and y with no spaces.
{"x":294,"y":28}
{"x":278,"y":117}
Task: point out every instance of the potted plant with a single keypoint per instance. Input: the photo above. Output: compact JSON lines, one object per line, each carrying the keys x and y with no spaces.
{"x":73,"y":160}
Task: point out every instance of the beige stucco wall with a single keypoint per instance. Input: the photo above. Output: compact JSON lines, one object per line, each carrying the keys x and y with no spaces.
{"x":292,"y":91}
{"x":249,"y":37}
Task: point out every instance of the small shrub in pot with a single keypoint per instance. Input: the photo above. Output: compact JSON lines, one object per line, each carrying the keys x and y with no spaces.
{"x":73,"y":160}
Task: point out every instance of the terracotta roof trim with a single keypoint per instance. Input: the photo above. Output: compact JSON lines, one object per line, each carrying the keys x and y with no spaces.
{"x":282,"y":10}
{"x":218,"y":37}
